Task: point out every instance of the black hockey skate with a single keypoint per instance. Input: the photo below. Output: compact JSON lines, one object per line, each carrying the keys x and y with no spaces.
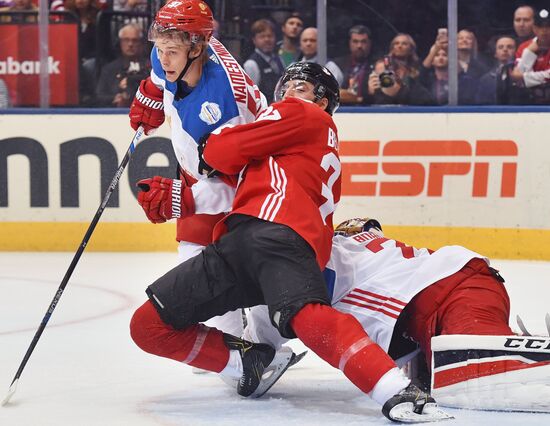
{"x":412,"y":405}
{"x":256,"y":358}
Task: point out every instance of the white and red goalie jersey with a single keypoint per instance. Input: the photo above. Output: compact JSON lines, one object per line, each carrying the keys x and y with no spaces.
{"x":292,"y":173}
{"x":373,"y":277}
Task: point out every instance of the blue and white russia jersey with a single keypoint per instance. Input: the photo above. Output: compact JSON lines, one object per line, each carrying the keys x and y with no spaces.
{"x":224,"y":95}
{"x":373,"y":278}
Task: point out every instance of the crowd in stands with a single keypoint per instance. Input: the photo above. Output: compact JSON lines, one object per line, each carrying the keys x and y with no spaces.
{"x":515,"y":72}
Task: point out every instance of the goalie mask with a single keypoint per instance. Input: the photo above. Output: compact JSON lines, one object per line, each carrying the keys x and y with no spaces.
{"x":355,"y":226}
{"x":324,"y":83}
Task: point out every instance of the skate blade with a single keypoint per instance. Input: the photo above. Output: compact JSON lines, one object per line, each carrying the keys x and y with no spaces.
{"x":432,"y":413}
{"x":296,"y":359}
{"x":281,"y":362}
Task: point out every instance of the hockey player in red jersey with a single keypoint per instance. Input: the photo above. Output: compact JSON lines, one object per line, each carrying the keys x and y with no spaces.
{"x":270,"y":250}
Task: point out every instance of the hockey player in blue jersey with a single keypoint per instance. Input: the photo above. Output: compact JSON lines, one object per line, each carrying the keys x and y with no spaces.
{"x":199,"y":86}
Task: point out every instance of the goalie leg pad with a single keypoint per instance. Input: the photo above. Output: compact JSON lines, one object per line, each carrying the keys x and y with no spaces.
{"x":471,"y":301}
{"x":491,"y":372}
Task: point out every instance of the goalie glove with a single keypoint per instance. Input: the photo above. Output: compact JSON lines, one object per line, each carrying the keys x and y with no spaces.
{"x":355,"y":226}
{"x":163,"y":199}
{"x":147,"y":108}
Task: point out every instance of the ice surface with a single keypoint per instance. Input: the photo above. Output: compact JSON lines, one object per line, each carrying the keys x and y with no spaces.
{"x":86,"y":370}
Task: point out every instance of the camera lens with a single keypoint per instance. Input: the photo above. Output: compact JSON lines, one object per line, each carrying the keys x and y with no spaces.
{"x":386,"y":79}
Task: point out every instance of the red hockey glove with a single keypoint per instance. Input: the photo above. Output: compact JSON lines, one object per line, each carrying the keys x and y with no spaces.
{"x":147,"y":108}
{"x":163,"y":199}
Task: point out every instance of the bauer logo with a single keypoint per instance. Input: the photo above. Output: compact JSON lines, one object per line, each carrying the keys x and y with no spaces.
{"x":210,"y":113}
{"x":410,"y":168}
{"x":13,"y":67}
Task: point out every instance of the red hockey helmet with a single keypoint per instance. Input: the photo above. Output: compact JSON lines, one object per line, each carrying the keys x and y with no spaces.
{"x":189,"y":16}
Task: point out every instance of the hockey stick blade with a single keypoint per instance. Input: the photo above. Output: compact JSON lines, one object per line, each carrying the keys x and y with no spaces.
{"x":521,"y":326}
{"x":55,"y":301}
{"x":11,"y":391}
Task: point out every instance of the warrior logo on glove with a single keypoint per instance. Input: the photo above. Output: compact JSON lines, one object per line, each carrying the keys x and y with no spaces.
{"x":163,"y":199}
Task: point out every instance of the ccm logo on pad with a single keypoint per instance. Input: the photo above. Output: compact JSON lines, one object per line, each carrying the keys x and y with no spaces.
{"x":527,"y":343}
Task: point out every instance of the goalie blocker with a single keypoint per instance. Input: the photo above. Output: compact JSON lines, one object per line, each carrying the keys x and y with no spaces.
{"x":509,"y":373}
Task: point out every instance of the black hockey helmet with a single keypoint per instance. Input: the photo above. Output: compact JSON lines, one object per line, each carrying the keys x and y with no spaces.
{"x":324,"y":83}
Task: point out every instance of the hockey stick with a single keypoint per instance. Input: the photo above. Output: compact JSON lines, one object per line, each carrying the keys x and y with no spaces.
{"x":55,"y":301}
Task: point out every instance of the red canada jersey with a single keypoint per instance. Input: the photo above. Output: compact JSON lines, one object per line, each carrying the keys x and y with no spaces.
{"x":543,"y":57}
{"x":290,"y":170}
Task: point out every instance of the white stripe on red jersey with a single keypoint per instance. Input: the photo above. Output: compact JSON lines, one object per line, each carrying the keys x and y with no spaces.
{"x":273,"y":201}
{"x":376,"y":277}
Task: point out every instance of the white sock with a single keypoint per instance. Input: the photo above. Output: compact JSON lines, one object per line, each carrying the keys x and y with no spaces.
{"x":234,"y":367}
{"x":391,"y":383}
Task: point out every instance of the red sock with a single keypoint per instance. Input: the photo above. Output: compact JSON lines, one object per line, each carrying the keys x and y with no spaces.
{"x":196,"y":345}
{"x":340,"y":340}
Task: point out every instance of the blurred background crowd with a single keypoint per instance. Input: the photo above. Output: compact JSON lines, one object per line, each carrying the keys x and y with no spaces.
{"x":383,"y":52}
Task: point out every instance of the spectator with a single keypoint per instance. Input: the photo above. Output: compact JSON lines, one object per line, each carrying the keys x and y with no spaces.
{"x":403,"y":53}
{"x":20,"y":6}
{"x":288,"y":48}
{"x":434,"y":74}
{"x":469,"y":66}
{"x":308,"y":46}
{"x":441,"y":42}
{"x":264,"y":66}
{"x":120,"y":78}
{"x":523,"y":23}
{"x":468,"y":55}
{"x":495,"y":87}
{"x":4,"y":95}
{"x":130,"y":5}
{"x":355,"y":66}
{"x":533,"y":60}
{"x":86,"y":11}
{"x":395,"y":79}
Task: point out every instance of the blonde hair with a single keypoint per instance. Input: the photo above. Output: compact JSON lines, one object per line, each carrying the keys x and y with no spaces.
{"x":474,"y":42}
{"x":411,"y":62}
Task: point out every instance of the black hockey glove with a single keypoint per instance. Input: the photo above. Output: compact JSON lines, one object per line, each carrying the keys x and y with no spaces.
{"x":204,"y":168}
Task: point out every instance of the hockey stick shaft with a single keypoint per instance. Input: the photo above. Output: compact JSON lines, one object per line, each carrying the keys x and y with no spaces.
{"x":76,"y":258}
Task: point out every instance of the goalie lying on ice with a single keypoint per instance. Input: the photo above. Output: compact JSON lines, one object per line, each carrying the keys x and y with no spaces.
{"x":450,"y":304}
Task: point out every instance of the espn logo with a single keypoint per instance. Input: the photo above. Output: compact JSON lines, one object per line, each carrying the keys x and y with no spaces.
{"x":424,"y":164}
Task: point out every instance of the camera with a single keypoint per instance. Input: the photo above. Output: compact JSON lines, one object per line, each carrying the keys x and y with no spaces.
{"x":387,"y":77}
{"x":134,"y":72}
